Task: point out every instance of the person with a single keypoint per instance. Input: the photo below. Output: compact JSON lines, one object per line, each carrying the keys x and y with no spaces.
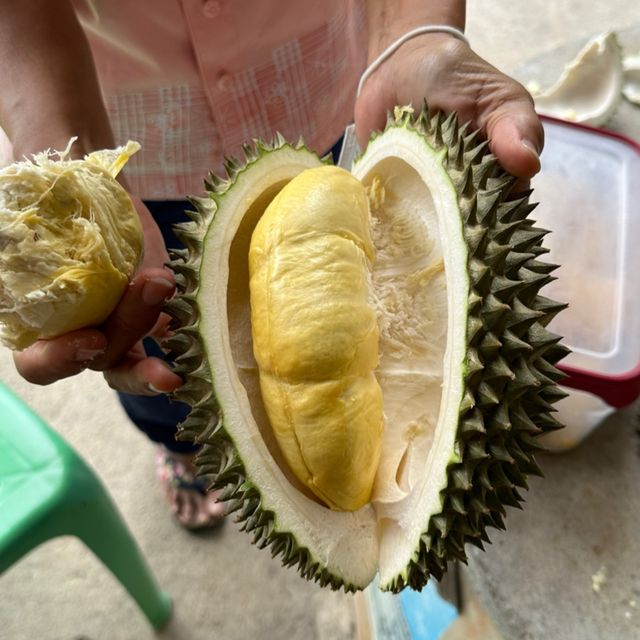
{"x":192,"y":80}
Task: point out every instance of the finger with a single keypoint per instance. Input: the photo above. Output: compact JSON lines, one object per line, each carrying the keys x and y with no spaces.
{"x":516,"y":138}
{"x":162,"y":328}
{"x":142,"y":376}
{"x":135,"y":315}
{"x":161,"y":331}
{"x":155,"y":251}
{"x":47,"y":361}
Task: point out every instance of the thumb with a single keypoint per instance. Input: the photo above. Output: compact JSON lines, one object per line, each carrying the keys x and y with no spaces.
{"x":516,"y":137}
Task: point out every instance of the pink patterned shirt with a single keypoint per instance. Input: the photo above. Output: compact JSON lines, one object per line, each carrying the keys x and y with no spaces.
{"x":192,"y":80}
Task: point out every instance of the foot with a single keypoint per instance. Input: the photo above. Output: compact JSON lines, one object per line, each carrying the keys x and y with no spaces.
{"x":192,"y":505}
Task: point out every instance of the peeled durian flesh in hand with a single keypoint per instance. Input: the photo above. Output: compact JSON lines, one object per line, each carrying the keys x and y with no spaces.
{"x":315,"y":333}
{"x":70,"y":240}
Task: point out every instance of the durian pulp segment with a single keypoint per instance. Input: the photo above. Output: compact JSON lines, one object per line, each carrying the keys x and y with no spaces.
{"x":315,"y":333}
{"x":420,"y":288}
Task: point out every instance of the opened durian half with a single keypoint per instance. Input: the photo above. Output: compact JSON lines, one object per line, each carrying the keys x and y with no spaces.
{"x":366,"y":355}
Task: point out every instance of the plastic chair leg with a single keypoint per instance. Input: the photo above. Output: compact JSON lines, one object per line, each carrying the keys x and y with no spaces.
{"x":100,"y":526}
{"x":19,"y":545}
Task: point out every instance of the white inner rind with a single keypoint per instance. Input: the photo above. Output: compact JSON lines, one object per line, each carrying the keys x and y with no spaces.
{"x":421,"y":361}
{"x":422,"y":317}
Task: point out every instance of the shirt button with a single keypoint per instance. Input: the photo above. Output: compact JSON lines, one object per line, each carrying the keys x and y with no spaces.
{"x":211,"y":9}
{"x":224,"y":81}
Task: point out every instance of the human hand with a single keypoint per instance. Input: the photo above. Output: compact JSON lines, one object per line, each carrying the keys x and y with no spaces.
{"x":115,"y":348}
{"x":443,"y":70}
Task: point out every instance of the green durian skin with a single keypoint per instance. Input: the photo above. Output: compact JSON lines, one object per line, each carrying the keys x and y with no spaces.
{"x":511,"y":376}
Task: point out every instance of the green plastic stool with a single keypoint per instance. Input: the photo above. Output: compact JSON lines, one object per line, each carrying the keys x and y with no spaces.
{"x":46,"y":490}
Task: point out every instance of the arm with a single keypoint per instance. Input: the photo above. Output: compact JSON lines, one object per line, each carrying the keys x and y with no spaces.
{"x":51,"y":93}
{"x":443,"y":70}
{"x":50,"y":89}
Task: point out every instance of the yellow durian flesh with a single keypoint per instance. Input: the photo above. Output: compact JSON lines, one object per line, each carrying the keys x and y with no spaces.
{"x":70,"y":240}
{"x":315,"y":333}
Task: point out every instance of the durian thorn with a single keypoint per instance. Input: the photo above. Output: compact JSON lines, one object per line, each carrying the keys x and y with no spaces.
{"x":466,"y":187}
{"x":462,"y":130}
{"x":484,"y":169}
{"x":436,"y":129}
{"x":504,"y":289}
{"x":450,"y":129}
{"x":250,"y":152}
{"x":472,"y":425}
{"x":502,"y":232}
{"x":473,"y":363}
{"x":232,"y":166}
{"x":178,"y":256}
{"x":496,"y":255}
{"x":422,"y":121}
{"x":474,"y":237}
{"x":475,"y":327}
{"x":479,"y":273}
{"x":278,"y":141}
{"x":493,"y":310}
{"x":474,"y":300}
{"x":516,"y":209}
{"x":487,"y":396}
{"x":474,"y":151}
{"x":528,"y":239}
{"x":488,"y":203}
{"x":470,"y":210}
{"x":442,"y":524}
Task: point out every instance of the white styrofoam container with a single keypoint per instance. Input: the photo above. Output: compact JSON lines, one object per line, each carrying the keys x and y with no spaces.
{"x":589,"y":195}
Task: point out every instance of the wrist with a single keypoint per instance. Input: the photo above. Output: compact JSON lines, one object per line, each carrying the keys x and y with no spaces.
{"x":438,"y":36}
{"x":389,"y":21}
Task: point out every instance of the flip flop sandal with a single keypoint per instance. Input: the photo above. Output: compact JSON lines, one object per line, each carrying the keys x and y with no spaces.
{"x":175,"y":476}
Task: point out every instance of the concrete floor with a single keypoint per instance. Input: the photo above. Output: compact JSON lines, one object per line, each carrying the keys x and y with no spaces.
{"x":222,"y":586}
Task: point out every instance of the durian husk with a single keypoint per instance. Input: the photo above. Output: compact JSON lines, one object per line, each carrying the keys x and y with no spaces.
{"x":510,"y":374}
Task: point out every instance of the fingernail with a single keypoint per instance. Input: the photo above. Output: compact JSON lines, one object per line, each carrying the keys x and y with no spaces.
{"x":154,"y":389}
{"x":87,"y":355}
{"x":156,"y":290}
{"x":527,"y":144}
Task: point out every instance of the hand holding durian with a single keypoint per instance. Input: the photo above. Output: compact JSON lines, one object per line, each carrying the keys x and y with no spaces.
{"x":445,"y":71}
{"x":72,"y":243}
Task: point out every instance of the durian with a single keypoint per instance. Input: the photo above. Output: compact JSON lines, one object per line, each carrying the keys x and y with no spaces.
{"x":70,"y":240}
{"x":464,"y":361}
